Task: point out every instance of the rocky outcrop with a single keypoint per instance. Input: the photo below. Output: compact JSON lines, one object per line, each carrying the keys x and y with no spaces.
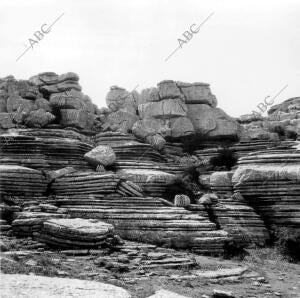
{"x":44,"y":100}
{"x":270,"y":182}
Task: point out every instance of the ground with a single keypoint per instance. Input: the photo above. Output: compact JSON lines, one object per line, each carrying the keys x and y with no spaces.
{"x":263,"y":272}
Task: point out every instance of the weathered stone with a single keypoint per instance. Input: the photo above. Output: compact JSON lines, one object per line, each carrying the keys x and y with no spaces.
{"x":157,"y":141}
{"x":39,"y":118}
{"x":197,"y":93}
{"x":77,"y":118}
{"x":168,"y":89}
{"x":42,"y":103}
{"x":148,"y":95}
{"x":103,"y":155}
{"x":6,"y":121}
{"x":75,"y":232}
{"x":212,"y":122}
{"x":165,"y":109}
{"x":120,"y":121}
{"x":13,"y":102}
{"x":120,"y":99}
{"x":17,"y":285}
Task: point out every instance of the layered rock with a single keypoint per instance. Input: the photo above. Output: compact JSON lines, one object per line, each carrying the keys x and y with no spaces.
{"x":75,"y":233}
{"x":85,"y":183}
{"x":21,"y":182}
{"x":149,"y":220}
{"x":270,"y":182}
{"x":43,"y":151}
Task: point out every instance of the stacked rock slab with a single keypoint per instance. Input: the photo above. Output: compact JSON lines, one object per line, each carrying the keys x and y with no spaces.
{"x":270,"y":182}
{"x":154,"y":182}
{"x":75,"y":233}
{"x":25,"y":183}
{"x":25,"y":224}
{"x":85,"y":183}
{"x":241,"y":222}
{"x":132,"y":154}
{"x":149,"y":220}
{"x":46,"y":153}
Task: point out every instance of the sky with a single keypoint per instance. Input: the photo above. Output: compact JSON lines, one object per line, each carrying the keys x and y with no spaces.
{"x":246,"y":50}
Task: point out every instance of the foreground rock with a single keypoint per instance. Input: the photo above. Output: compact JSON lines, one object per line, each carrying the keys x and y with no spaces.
{"x":17,"y":285}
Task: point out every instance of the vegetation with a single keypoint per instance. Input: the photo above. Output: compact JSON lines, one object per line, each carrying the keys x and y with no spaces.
{"x":225,"y":158}
{"x":287,"y":240}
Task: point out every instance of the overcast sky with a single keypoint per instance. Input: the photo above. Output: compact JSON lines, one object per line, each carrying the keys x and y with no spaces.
{"x":246,"y":50}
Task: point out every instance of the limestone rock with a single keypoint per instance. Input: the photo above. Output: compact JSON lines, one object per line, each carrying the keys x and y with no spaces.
{"x":42,"y":103}
{"x":77,"y":118}
{"x":212,"y":122}
{"x":182,"y":201}
{"x":120,"y":121}
{"x":17,"y":285}
{"x":39,"y":118}
{"x":75,"y":232}
{"x":156,"y":141}
{"x":13,"y":102}
{"x":165,"y":109}
{"x":120,"y":99}
{"x":197,"y":93}
{"x":6,"y":121}
{"x":168,"y":89}
{"x":103,"y":155}
{"x":148,"y":95}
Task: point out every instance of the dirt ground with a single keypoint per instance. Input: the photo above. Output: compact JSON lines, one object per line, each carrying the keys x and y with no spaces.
{"x":266,"y":272}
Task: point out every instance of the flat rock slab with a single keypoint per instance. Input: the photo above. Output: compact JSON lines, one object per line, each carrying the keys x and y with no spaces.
{"x":79,"y":226}
{"x":166,"y":294}
{"x":19,"y":286}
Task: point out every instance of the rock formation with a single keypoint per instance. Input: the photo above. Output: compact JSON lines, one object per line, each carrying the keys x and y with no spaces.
{"x":72,"y":175}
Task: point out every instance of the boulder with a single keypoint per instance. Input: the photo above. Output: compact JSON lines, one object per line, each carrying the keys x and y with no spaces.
{"x":181,"y":127}
{"x":212,"y":122}
{"x":75,"y":232}
{"x":6,"y":121}
{"x":76,"y":118}
{"x":156,"y":141}
{"x":39,"y":118}
{"x":164,"y":109}
{"x":24,"y":109}
{"x":168,"y":89}
{"x":103,"y":155}
{"x":13,"y":102}
{"x":149,"y":127}
{"x":42,"y":103}
{"x":120,"y":99}
{"x":120,"y":121}
{"x":148,"y":95}
{"x":197,"y":93}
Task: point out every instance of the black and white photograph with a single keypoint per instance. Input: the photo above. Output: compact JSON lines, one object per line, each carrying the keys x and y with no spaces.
{"x":150,"y":149}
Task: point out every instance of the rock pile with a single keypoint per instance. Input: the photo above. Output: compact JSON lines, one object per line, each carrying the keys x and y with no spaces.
{"x":45,"y":99}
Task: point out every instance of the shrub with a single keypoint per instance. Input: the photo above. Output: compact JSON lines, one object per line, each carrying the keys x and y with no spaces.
{"x":288,"y":242}
{"x":279,"y":130}
{"x":290,"y":134}
{"x":225,"y":158}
